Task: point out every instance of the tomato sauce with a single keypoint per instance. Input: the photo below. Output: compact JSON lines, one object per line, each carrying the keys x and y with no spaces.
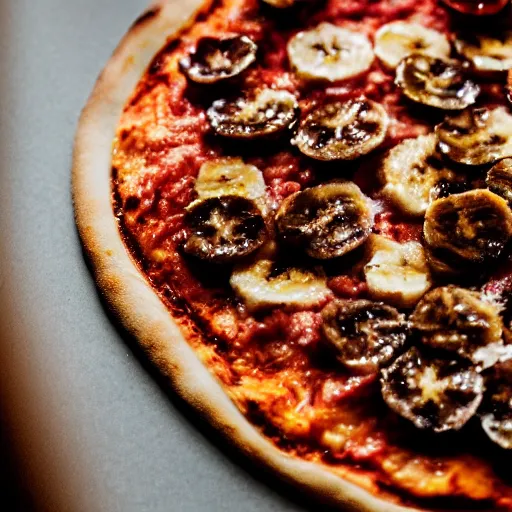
{"x":275,"y":365}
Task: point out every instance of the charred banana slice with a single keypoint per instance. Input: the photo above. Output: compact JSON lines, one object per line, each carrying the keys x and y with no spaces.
{"x":267,"y":113}
{"x":465,"y":230}
{"x":342,"y":130}
{"x":396,"y":40}
{"x":476,"y":136}
{"x":215,"y":59}
{"x":499,"y":179}
{"x":326,"y":221}
{"x":396,"y":273}
{"x":434,"y":394}
{"x":496,"y":416}
{"x":223,"y":229}
{"x":231,"y":177}
{"x":265,"y":284}
{"x":365,"y":335}
{"x":330,"y":53}
{"x":486,"y":52}
{"x":411,"y":172}
{"x":435,"y":82}
{"x":458,"y":320}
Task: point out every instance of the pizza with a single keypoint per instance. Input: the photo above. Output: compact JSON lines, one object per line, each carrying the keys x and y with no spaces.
{"x":301,"y":210}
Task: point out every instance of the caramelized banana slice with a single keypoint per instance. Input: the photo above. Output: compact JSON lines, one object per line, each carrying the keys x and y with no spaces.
{"x":281,"y":4}
{"x":366,"y":335}
{"x":396,"y":273}
{"x":327,"y":221}
{"x":459,"y":321}
{"x":496,"y":416}
{"x":411,"y":172}
{"x":476,"y":7}
{"x":486,"y":52}
{"x":264,"y":284}
{"x":434,"y":394}
{"x":268,"y":113}
{"x":397,"y":39}
{"x":435,"y":82}
{"x":468,"y":229}
{"x":499,"y":179}
{"x":224,"y":229}
{"x":218,"y":59}
{"x":342,"y":130}
{"x":231,"y":177}
{"x":476,"y":136}
{"x":330,"y":53}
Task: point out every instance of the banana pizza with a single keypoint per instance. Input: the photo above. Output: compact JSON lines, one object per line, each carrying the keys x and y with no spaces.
{"x":301,"y":211}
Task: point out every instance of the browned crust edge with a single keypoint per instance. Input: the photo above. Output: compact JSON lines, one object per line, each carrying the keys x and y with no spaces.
{"x":131,"y":297}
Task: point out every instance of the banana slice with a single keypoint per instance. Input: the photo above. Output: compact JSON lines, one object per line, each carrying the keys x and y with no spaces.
{"x":486,"y":52}
{"x":434,"y":82}
{"x":499,"y":179}
{"x":411,"y":172}
{"x":231,"y":177}
{"x":396,"y":273}
{"x":396,"y":40}
{"x":263,"y":284}
{"x":330,"y":53}
{"x":476,"y":136}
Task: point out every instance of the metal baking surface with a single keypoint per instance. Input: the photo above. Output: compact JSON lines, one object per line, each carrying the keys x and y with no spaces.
{"x":89,"y":423}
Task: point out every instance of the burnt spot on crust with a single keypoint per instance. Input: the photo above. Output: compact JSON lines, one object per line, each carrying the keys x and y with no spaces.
{"x":146,"y":16}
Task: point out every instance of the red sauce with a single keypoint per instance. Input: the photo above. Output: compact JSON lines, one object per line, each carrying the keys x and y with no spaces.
{"x":275,"y":366}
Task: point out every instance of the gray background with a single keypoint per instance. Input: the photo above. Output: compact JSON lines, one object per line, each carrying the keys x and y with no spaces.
{"x":90,"y":426}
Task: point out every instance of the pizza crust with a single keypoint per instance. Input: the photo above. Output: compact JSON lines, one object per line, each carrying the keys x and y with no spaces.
{"x":130,"y":296}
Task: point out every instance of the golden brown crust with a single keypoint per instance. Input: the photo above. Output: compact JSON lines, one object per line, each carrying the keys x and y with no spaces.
{"x":132,"y":298}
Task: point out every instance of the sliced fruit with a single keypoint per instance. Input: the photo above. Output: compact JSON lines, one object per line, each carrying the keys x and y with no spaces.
{"x":486,"y":52}
{"x":342,"y":130}
{"x":396,"y":273}
{"x":264,"y":284}
{"x":365,"y":335}
{"x":477,"y":7}
{"x":281,"y":4}
{"x":330,"y":53}
{"x":224,"y":229}
{"x":477,"y":136}
{"x":267,"y":113}
{"x":434,"y":394}
{"x":458,"y":320}
{"x":326,"y":221}
{"x":496,"y":414}
{"x":466,"y":230}
{"x":411,"y":172}
{"x":219,"y":59}
{"x":499,"y":179}
{"x":231,"y":177}
{"x":397,"y":39}
{"x":435,"y":82}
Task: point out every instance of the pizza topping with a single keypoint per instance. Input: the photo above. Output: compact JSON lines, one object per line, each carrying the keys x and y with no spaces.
{"x":434,"y":394}
{"x":435,"y":82}
{"x":267,"y":113}
{"x":330,"y":53}
{"x":396,"y":273}
{"x":327,"y":221}
{"x":218,"y":59}
{"x":342,"y":130}
{"x":496,"y":416}
{"x":398,"y":39}
{"x":365,"y":335}
{"x":476,"y":136}
{"x":412,"y":172}
{"x":499,"y":179}
{"x":458,"y":320}
{"x":224,"y":229}
{"x":486,"y":52}
{"x":264,"y":283}
{"x":231,"y":177}
{"x":468,"y":229}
